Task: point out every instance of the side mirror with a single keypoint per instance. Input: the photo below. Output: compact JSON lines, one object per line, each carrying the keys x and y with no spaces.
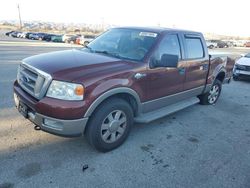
{"x":167,"y":60}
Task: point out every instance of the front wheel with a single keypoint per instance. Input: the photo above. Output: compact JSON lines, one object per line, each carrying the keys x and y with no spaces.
{"x":213,"y":95}
{"x":110,"y":125}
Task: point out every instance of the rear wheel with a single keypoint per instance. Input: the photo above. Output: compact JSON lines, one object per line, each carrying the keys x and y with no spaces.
{"x":213,"y":95}
{"x":110,"y":125}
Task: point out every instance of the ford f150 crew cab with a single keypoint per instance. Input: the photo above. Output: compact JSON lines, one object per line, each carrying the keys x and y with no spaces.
{"x":125,"y":75}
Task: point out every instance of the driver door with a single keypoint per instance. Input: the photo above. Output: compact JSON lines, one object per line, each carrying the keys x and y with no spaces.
{"x":162,"y":82}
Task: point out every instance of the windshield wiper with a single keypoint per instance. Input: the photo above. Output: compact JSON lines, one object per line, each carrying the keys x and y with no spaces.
{"x":108,"y":53}
{"x":90,"y":49}
{"x":102,"y":52}
{"x":114,"y":54}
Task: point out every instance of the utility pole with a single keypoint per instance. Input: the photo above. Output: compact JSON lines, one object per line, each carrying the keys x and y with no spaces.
{"x":20,"y":21}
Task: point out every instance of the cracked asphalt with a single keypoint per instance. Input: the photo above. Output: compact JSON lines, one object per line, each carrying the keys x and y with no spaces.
{"x":201,"y":146}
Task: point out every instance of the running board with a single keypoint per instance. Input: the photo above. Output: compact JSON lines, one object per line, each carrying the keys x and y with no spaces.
{"x":151,"y":116}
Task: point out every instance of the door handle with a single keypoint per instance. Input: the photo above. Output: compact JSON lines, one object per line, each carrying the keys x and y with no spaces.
{"x":204,"y":67}
{"x":140,"y":75}
{"x":181,"y":70}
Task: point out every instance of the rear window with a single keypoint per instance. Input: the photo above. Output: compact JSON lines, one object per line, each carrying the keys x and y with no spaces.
{"x":194,"y":48}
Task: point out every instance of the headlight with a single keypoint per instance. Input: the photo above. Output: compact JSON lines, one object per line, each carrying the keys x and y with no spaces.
{"x":65,"y":90}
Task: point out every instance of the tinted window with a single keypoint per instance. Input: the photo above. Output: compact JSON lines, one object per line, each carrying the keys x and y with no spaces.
{"x":194,"y":48}
{"x":169,"y":45}
{"x":247,"y":55}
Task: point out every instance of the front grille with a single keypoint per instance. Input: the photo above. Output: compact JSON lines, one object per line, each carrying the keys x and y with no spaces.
{"x":242,"y":67}
{"x":32,"y":80}
{"x":247,"y":68}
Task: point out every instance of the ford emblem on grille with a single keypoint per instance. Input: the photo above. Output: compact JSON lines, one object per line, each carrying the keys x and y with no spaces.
{"x":25,"y":79}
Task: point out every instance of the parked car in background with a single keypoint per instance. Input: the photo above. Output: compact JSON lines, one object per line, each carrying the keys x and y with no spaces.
{"x":9,"y":33}
{"x":37,"y":36}
{"x":211,"y":44}
{"x":65,"y":37}
{"x":86,"y":39}
{"x":239,"y":43}
{"x":15,"y":33}
{"x":72,"y":39}
{"x":230,"y":44}
{"x":33,"y":36}
{"x":41,"y":35}
{"x":247,"y":44}
{"x":222,"y":44}
{"x":28,"y":34}
{"x":48,"y":37}
{"x":56,"y":38}
{"x":21,"y":34}
{"x":242,"y":67}
{"x":78,"y":40}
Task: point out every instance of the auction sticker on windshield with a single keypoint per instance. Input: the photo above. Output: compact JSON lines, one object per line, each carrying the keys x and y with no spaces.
{"x":148,"y":34}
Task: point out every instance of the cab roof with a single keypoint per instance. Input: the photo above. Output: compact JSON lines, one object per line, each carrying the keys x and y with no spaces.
{"x":159,"y":29}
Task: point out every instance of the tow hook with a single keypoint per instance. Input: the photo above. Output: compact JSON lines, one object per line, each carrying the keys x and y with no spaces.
{"x":37,"y":128}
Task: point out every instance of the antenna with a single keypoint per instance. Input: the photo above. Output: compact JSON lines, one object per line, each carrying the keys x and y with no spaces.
{"x":20,"y":21}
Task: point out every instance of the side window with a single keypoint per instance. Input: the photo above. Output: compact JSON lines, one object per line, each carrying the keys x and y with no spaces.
{"x":194,"y":48}
{"x":169,"y":45}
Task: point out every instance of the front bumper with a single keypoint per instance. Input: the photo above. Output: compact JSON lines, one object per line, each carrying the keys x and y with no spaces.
{"x":72,"y":127}
{"x":241,"y":72}
{"x":67,"y":128}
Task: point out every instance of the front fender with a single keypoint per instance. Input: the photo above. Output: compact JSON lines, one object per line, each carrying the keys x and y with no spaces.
{"x":109,"y":93}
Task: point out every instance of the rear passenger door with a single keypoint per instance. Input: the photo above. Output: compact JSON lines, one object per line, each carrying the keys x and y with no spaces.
{"x":197,"y":62}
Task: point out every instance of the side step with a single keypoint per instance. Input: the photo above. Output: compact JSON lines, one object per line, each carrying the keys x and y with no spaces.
{"x":151,"y":116}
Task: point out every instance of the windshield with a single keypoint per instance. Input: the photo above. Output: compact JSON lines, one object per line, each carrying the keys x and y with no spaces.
{"x":128,"y":44}
{"x":247,"y":55}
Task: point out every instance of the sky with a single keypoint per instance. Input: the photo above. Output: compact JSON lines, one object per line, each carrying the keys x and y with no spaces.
{"x":229,"y":17}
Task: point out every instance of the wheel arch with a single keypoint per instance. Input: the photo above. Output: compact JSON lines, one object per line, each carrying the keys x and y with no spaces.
{"x":221,"y":76}
{"x":126,"y":94}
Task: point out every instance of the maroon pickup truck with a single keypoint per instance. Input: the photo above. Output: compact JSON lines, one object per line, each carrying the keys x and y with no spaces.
{"x":126,"y":75}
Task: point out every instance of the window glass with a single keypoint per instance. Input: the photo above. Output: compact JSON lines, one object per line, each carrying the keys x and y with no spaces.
{"x":169,"y":45}
{"x":132,"y":44}
{"x":194,"y":48}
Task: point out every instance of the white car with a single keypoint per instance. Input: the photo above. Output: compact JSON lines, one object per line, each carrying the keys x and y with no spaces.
{"x":65,"y":37}
{"x":211,"y":44}
{"x":242,"y":67}
{"x":86,"y":39}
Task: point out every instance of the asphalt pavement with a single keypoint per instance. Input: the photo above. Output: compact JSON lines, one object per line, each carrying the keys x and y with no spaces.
{"x":201,"y":146}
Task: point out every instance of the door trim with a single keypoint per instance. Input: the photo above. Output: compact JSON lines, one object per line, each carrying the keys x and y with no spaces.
{"x":164,"y":101}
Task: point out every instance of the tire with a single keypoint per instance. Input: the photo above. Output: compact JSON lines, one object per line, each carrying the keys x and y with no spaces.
{"x":236,"y":78}
{"x":110,"y":125}
{"x":211,"y":47}
{"x":213,"y":95}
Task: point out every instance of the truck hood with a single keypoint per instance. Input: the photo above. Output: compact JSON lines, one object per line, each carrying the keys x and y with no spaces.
{"x":69,"y":65}
{"x":244,"y":61}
